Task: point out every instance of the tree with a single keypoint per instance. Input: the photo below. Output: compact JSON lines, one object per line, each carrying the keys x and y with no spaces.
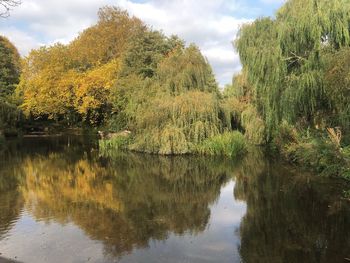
{"x":175,"y":107}
{"x":92,"y":91}
{"x":62,"y":81}
{"x":10,"y":70}
{"x":47,"y":83}
{"x":105,"y":41}
{"x":7,"y":5}
{"x":9,"y":67}
{"x":284,"y":59}
{"x":337,"y":87}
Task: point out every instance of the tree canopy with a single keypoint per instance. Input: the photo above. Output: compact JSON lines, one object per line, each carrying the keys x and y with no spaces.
{"x":9,"y":67}
{"x":10,"y":70}
{"x":74,"y":81}
{"x":285,"y":60}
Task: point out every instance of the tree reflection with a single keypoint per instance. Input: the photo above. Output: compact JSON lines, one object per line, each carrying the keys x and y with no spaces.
{"x":10,"y":201}
{"x":127,"y":201}
{"x":291,"y":217}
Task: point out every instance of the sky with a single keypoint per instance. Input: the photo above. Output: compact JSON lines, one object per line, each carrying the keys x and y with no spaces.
{"x":211,"y":24}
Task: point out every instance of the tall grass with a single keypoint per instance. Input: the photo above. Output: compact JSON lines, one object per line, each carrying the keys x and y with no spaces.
{"x":230,"y":144}
{"x":118,"y":143}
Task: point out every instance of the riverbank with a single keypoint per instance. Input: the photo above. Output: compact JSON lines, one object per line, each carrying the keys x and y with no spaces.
{"x":229,"y":144}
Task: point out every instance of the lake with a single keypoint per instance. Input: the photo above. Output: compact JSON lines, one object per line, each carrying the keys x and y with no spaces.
{"x":61,"y":200}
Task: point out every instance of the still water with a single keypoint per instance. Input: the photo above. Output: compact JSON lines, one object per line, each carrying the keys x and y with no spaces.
{"x":61,"y":201}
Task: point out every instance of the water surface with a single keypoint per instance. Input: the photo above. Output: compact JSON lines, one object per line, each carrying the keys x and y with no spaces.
{"x":61,"y":201}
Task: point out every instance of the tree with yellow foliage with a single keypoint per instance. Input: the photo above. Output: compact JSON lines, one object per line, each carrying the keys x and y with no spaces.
{"x":65,"y":82}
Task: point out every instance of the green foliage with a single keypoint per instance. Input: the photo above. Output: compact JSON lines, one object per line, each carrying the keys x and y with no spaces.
{"x":171,"y":106}
{"x":9,"y":116}
{"x":297,"y":65}
{"x":347,"y":194}
{"x":145,"y":52}
{"x":284,"y":59}
{"x":239,"y":111}
{"x":9,"y":78}
{"x":230,"y":144}
{"x":185,"y":69}
{"x":337,"y":83}
{"x":253,"y":125}
{"x":9,"y":68}
{"x":316,"y":151}
{"x":286,"y":134}
{"x":173,"y":124}
{"x":117,"y":143}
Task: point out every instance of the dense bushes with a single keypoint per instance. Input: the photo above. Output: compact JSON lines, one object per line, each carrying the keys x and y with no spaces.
{"x":321,"y":152}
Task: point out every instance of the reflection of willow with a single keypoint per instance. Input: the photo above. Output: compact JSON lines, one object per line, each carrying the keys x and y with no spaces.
{"x":291,"y":218}
{"x":126,"y":202}
{"x":10,"y":200}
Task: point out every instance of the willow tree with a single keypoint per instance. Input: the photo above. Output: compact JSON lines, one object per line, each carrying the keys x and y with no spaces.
{"x":176,"y":106}
{"x":186,"y":69}
{"x":183,"y":108}
{"x":284,"y":58}
{"x":239,"y":111}
{"x":337,"y":83}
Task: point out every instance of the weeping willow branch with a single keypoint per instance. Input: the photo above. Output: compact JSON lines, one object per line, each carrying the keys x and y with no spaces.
{"x":6,"y":6}
{"x":285,"y":58}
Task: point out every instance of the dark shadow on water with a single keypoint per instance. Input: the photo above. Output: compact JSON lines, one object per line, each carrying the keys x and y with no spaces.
{"x":5,"y":260}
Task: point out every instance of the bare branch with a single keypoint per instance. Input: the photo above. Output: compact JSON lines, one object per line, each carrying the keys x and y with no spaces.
{"x":6,"y":6}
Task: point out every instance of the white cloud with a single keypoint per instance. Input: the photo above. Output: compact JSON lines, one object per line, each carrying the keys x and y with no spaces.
{"x":207,"y":23}
{"x":23,"y":41}
{"x":208,"y":26}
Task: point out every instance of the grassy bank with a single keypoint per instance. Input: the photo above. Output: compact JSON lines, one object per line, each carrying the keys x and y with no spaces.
{"x":229,"y":144}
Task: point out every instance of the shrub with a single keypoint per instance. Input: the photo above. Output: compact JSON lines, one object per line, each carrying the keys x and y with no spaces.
{"x":317,"y":152}
{"x":230,"y":144}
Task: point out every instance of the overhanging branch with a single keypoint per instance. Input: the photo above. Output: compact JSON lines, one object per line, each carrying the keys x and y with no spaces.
{"x":6,"y":6}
